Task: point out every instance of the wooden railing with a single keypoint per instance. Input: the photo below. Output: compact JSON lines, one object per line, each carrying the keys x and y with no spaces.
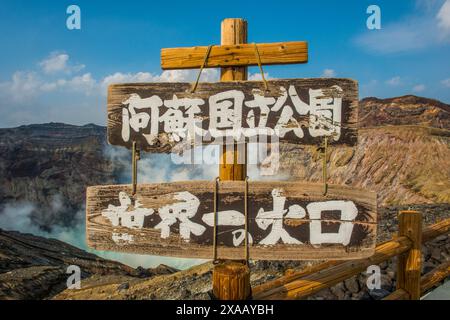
{"x":406,"y":245}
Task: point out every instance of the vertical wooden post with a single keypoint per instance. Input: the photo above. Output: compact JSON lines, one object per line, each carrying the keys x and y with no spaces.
{"x":231,"y":279}
{"x":409,"y":265}
{"x":234,"y":31}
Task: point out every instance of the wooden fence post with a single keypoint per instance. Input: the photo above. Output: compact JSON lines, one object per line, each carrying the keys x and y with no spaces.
{"x":231,"y":279}
{"x":409,"y":264}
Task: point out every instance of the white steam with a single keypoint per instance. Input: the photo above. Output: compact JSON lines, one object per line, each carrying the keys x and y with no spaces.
{"x":26,"y":217}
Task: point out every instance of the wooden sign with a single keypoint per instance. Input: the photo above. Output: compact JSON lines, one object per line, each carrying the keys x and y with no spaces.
{"x":159,"y":116}
{"x":286,"y":220}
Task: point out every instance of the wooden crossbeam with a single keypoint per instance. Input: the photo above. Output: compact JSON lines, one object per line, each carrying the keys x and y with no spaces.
{"x":235,"y":55}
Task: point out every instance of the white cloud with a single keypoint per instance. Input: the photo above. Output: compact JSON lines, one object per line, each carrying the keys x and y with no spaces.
{"x":419,"y":88}
{"x":328,"y":73}
{"x":208,"y":75}
{"x":22,"y":86}
{"x":119,"y":77}
{"x":395,"y":81}
{"x":58,"y":62}
{"x":425,"y":28}
{"x":51,"y":86}
{"x":84,"y":83}
{"x":443,"y":16}
{"x":257,"y":76}
{"x":446,"y":82}
{"x":24,"y":82}
{"x":395,"y":38}
{"x":51,"y":92}
{"x":54,"y":63}
{"x":28,"y":85}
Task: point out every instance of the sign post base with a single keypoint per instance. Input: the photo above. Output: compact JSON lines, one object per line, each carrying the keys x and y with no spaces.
{"x":231,"y":281}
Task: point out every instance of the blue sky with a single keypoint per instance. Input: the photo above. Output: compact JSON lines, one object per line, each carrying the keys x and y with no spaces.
{"x":49,"y":73}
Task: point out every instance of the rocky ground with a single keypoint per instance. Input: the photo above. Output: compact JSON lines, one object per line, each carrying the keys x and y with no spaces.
{"x":33,"y":267}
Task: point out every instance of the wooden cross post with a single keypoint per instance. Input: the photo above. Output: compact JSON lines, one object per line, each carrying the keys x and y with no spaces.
{"x":231,"y":279}
{"x":232,"y":219}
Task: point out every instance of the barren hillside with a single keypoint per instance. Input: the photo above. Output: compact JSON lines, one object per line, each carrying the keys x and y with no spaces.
{"x":403,"y":153}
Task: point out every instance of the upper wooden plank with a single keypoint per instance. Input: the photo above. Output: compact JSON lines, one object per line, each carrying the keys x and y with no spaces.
{"x":235,"y":55}
{"x":160,"y":116}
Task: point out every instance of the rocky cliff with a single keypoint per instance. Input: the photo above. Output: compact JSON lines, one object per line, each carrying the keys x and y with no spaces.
{"x":403,"y":153}
{"x":49,"y":166}
{"x":33,"y":267}
{"x":406,"y":110}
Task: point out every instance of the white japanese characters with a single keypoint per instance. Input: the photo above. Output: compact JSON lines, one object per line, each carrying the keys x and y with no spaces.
{"x":181,"y":211}
{"x":275,"y":219}
{"x":348,"y":213}
{"x":230,"y":115}
{"x":127,"y":215}
{"x":185,"y":206}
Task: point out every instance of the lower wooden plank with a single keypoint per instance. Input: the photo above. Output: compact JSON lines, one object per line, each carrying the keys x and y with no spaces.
{"x":286,"y":220}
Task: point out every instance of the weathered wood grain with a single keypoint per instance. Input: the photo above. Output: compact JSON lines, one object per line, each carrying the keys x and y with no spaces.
{"x":231,"y":280}
{"x":435,"y":276}
{"x":312,"y":283}
{"x":409,"y":265}
{"x":321,"y":103}
{"x":427,"y":282}
{"x":235,"y":55}
{"x":292,"y":197}
{"x":429,"y":233}
{"x":233,"y":32}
